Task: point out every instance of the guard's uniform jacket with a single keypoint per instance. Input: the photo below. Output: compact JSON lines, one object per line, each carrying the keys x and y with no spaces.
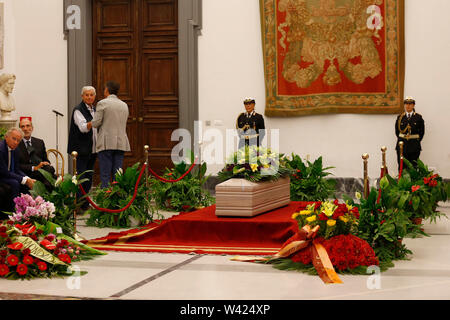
{"x":410,"y":131}
{"x":249,"y":126}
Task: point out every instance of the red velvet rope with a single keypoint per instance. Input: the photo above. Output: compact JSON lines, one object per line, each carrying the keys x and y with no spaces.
{"x":129,"y":203}
{"x":171,"y":181}
{"x":379,"y":190}
{"x":135,"y":189}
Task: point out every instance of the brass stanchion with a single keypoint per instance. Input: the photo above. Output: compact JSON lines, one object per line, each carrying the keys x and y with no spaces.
{"x":146,"y":149}
{"x":365,"y":157}
{"x":401,"y":144}
{"x":383,"y":158}
{"x":74,"y":173}
{"x":200,"y":144}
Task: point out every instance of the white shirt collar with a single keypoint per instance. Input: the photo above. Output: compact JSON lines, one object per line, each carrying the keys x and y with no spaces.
{"x":90,"y":108}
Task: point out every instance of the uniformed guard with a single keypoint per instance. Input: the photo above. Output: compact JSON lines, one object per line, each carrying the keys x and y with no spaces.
{"x":409,"y":128}
{"x":250,"y":125}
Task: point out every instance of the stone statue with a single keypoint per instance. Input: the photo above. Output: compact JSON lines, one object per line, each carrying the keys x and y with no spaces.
{"x":7,"y":104}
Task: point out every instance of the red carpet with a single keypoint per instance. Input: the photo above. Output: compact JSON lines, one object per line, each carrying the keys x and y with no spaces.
{"x":202,"y":231}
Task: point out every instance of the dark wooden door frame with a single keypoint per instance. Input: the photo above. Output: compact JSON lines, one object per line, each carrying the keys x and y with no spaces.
{"x":79,"y":55}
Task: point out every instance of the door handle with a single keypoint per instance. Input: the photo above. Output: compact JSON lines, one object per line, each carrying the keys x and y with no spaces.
{"x":134,"y":119}
{"x":140,"y":119}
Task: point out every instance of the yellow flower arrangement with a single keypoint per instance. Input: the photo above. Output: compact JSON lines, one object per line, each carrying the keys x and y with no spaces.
{"x":328,"y":208}
{"x":331,"y":223}
{"x":334,"y":218}
{"x":255,"y":164}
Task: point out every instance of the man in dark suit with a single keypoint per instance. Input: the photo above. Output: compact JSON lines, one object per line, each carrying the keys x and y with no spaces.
{"x":250,"y":125}
{"x":33,"y":154}
{"x":82,"y":137}
{"x":409,"y":128}
{"x":10,"y":172}
{"x":5,"y":200}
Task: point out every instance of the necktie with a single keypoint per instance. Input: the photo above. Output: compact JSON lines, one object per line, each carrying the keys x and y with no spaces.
{"x":28,"y":146}
{"x":11,"y":161}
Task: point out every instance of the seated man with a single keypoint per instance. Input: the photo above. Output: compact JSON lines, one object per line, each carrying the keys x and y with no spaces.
{"x":10,"y":172}
{"x":5,"y":203}
{"x":32,"y":154}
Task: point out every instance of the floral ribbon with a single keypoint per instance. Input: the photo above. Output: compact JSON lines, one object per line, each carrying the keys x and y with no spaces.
{"x":37,"y":251}
{"x":304,"y":239}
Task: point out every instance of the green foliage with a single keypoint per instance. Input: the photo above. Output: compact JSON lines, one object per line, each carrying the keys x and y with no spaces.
{"x":63,"y":196}
{"x":117,"y":196}
{"x":384,"y":223}
{"x":430,"y":190}
{"x":289,"y":265}
{"x":308,"y":181}
{"x":2,"y":133}
{"x":255,"y":164}
{"x":186,"y":194}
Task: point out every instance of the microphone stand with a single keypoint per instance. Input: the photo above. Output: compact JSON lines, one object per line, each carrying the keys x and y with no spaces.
{"x":57,"y":114}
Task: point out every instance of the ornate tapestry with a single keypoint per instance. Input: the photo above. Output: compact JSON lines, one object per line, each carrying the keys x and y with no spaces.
{"x":333,"y":56}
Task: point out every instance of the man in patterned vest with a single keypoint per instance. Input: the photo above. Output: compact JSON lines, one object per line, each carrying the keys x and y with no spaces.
{"x":82,"y":137}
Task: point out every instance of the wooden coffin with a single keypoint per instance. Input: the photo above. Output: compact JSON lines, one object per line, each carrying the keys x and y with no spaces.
{"x":242,"y":198}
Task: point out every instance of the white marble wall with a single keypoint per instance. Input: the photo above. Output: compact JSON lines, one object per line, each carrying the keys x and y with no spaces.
{"x":231,"y":68}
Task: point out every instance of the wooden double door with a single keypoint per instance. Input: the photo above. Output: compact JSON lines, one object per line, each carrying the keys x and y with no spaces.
{"x":135,"y":42}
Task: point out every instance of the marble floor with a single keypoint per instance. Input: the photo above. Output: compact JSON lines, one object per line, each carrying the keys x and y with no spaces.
{"x":156,"y":276}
